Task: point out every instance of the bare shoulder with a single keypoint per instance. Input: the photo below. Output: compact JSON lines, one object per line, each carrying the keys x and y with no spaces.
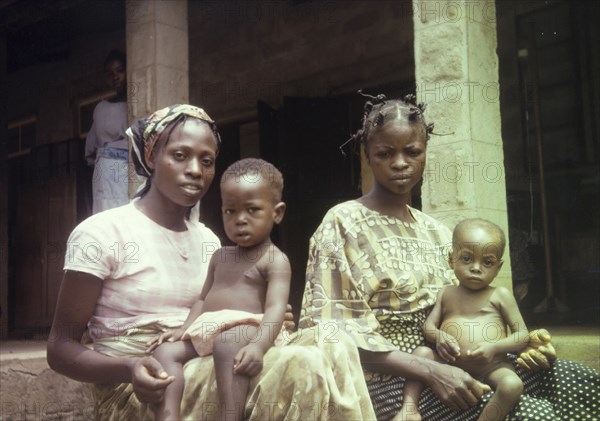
{"x":502,"y":295}
{"x":278,"y":254}
{"x":445,"y":295}
{"x":502,"y":292}
{"x":448,"y":290}
{"x":275,"y":259}
{"x":224,"y":253}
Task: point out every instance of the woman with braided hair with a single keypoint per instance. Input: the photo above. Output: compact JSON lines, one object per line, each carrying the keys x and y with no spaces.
{"x":134,"y":271}
{"x":375,"y":268}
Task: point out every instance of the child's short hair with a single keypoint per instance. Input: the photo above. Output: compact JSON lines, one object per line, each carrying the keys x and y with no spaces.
{"x":482,"y":223}
{"x":254,"y":169}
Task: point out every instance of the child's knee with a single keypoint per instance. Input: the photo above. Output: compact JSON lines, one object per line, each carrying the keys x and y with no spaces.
{"x":231,"y":340}
{"x":424,"y":352}
{"x":510,"y":386}
{"x":162,"y":353}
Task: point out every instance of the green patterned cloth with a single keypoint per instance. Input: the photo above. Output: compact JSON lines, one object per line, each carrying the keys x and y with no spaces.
{"x":364,"y":267}
{"x":318,"y":377}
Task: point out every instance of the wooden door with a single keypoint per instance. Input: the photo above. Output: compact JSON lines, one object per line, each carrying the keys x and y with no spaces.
{"x":28,"y":301}
{"x":316,"y":175}
{"x":61,"y":217}
{"x":45,"y":216}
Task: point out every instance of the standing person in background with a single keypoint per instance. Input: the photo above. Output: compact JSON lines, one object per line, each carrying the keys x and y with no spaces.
{"x":106,"y":143}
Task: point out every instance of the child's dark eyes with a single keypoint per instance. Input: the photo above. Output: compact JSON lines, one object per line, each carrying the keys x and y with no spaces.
{"x":228,"y":211}
{"x":489,"y":262}
{"x":466,"y":259}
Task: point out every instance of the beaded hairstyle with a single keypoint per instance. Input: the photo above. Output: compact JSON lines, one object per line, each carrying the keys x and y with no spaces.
{"x":379,"y":110}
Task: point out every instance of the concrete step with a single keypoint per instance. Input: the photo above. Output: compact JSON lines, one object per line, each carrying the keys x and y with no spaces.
{"x":30,"y":390}
{"x":581,"y":344}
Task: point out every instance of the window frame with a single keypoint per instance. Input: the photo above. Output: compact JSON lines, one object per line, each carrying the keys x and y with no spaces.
{"x":20,"y":123}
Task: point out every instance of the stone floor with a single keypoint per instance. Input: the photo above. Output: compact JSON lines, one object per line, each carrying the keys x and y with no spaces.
{"x":30,"y":390}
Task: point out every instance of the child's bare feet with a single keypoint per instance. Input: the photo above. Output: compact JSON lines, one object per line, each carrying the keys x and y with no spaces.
{"x":409,"y":412}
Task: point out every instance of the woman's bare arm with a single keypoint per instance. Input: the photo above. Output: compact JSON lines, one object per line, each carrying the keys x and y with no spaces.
{"x":77,"y":299}
{"x":79,"y":293}
{"x":455,"y":387}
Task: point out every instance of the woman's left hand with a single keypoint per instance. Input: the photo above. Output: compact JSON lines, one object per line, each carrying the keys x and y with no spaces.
{"x":539,"y":352}
{"x":288,"y":319}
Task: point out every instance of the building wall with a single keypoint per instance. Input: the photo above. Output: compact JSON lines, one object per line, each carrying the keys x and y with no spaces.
{"x":243,"y":51}
{"x":51,"y":90}
{"x":41,"y":202}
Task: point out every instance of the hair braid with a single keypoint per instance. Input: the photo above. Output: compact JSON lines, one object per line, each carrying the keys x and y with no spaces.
{"x":378,"y":110}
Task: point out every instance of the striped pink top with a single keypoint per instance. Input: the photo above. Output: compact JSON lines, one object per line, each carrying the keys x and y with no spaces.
{"x":151,"y":274}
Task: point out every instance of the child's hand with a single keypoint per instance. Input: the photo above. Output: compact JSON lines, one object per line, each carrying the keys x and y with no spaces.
{"x":248,"y":361}
{"x":169,"y":336}
{"x":447,"y":347}
{"x":483,"y":353}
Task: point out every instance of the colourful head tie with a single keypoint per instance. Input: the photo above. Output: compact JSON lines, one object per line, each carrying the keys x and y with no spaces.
{"x":144,"y":134}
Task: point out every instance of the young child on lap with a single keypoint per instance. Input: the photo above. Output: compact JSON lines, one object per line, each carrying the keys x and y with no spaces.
{"x":468,"y":323}
{"x":242,"y":304}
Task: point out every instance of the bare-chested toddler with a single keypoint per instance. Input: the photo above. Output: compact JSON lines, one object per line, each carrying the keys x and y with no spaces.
{"x":242,"y":304}
{"x":469,"y":322}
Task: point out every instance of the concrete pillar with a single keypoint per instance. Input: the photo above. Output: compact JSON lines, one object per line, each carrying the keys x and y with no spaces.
{"x":456,"y":73}
{"x":157,"y":57}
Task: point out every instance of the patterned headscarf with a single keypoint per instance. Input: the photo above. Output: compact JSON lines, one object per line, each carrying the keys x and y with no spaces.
{"x":144,"y":134}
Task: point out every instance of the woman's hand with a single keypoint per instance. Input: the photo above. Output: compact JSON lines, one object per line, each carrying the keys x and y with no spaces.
{"x":149,"y":380}
{"x":288,"y":319}
{"x":169,"y":336}
{"x":539,"y":352}
{"x":455,"y":387}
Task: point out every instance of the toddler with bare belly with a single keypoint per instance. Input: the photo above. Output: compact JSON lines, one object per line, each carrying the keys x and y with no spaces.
{"x":474,"y":325}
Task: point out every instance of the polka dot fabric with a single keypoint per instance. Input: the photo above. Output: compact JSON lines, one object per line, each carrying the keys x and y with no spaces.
{"x":567,"y":391}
